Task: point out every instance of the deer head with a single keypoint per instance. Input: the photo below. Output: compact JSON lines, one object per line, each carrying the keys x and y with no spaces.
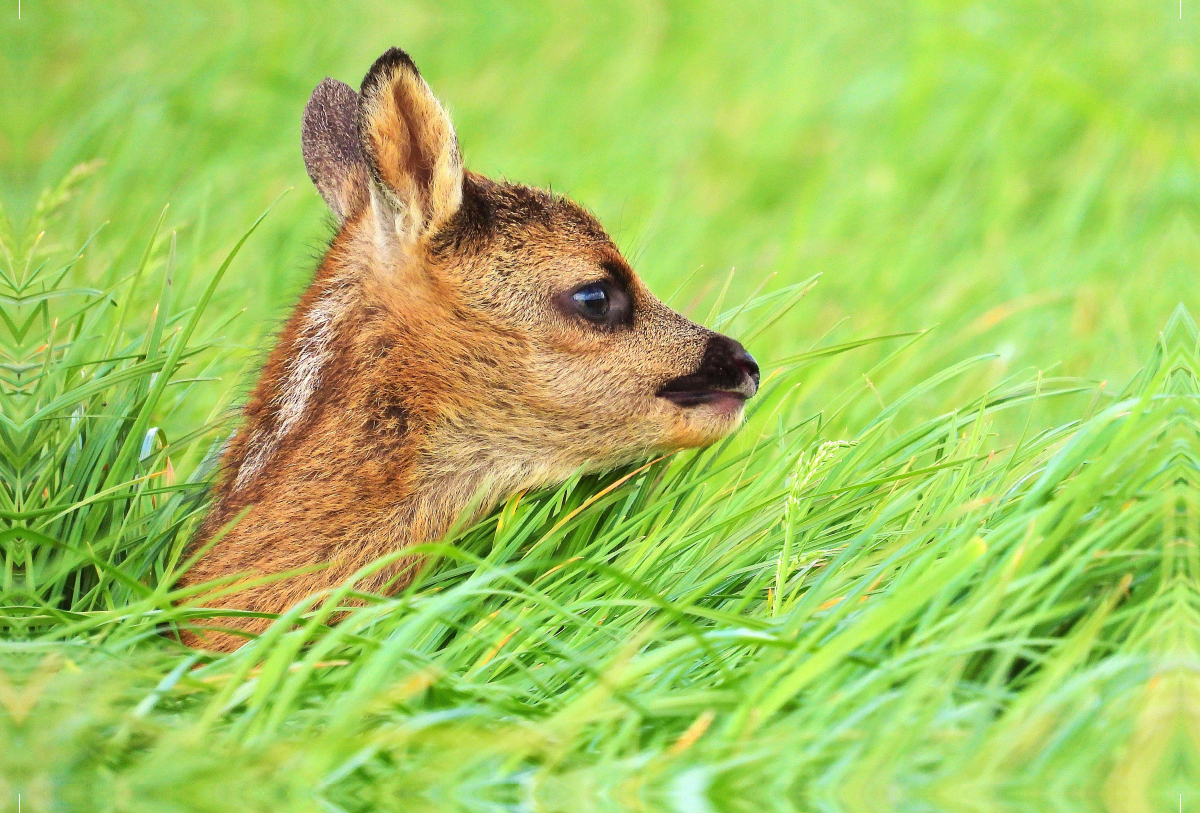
{"x":461,"y":335}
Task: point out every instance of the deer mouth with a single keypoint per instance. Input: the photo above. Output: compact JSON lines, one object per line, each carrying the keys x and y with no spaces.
{"x":724,"y":400}
{"x":726,"y":377}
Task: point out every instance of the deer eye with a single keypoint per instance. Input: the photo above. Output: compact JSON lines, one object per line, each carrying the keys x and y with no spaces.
{"x":606,"y":305}
{"x":592,"y":301}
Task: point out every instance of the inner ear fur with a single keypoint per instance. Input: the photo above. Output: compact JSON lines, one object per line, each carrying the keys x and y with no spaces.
{"x":330,"y":143}
{"x":408,"y":145}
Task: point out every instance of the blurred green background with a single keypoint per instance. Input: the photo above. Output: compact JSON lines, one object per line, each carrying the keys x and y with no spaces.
{"x":1021,"y":175}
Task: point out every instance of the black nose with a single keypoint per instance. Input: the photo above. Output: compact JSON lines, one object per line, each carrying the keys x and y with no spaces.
{"x":746,"y":362}
{"x":725,"y":370}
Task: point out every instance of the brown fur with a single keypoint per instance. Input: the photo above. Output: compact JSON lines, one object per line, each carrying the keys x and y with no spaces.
{"x":432,"y":359}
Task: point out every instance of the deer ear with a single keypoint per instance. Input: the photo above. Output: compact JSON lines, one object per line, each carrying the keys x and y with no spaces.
{"x":332,"y":155}
{"x":409,"y":147}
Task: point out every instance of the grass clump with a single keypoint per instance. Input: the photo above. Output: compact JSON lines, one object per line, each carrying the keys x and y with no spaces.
{"x":91,"y":498}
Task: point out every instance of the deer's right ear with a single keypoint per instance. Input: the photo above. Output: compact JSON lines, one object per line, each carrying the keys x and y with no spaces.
{"x":409,"y":147}
{"x":332,"y":154}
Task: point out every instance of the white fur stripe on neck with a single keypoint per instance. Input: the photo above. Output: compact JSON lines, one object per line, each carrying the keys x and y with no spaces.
{"x":303,"y":377}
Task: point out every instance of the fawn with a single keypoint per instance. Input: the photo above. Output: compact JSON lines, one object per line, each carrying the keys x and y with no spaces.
{"x":463,"y":339}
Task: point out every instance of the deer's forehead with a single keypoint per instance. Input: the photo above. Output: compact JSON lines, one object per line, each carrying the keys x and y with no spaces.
{"x":540,"y":242}
{"x":513,"y":215}
{"x":559,"y":260}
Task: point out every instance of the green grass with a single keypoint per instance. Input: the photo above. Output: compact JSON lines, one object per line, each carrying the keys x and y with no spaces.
{"x":950,"y":563}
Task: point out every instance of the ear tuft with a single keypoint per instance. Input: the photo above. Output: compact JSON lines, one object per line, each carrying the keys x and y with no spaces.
{"x":332,"y":154}
{"x":409,"y":146}
{"x":384,"y":68}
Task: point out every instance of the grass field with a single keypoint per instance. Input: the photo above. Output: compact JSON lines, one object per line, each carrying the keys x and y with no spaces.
{"x":950,"y":563}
